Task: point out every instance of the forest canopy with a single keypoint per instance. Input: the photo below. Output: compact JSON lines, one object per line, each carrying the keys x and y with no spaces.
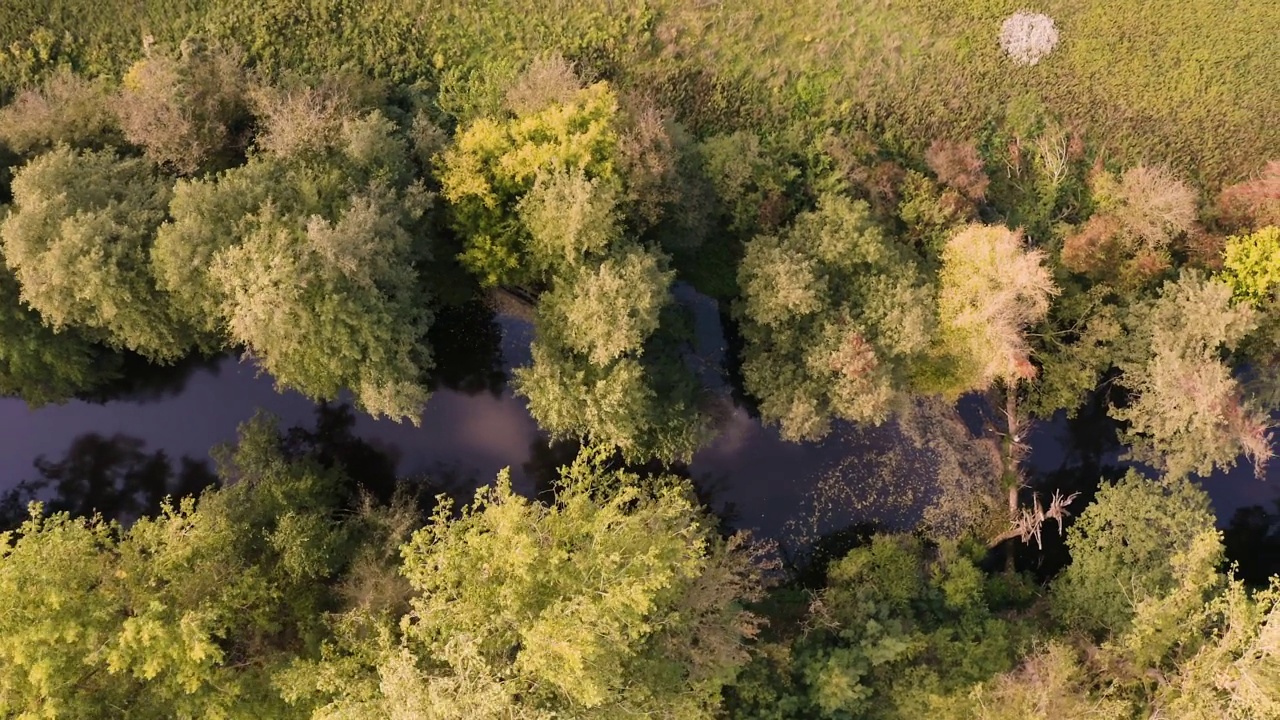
{"x":926,"y":218}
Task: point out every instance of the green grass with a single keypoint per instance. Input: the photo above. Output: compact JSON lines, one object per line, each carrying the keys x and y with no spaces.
{"x":93,"y":37}
{"x":1189,"y":82}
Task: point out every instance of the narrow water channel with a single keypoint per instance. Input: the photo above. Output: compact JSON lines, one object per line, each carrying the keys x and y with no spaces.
{"x":475,"y":427}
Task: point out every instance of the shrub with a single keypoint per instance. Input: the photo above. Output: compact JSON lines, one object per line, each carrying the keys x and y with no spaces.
{"x":958,"y":166}
{"x":67,"y":108}
{"x":549,"y":80}
{"x":647,"y":161}
{"x":183,"y":111}
{"x":294,"y":118}
{"x":1253,"y":203}
{"x":1095,"y":247}
{"x":1028,"y":37}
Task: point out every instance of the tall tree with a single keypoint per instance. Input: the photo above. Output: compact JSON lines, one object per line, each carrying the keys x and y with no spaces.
{"x":79,"y":240}
{"x":992,"y":289}
{"x":833,"y":316}
{"x":1121,"y":549}
{"x":616,"y":599}
{"x":311,"y":262}
{"x":1187,"y":412}
{"x":494,"y":163}
{"x":185,"y":614}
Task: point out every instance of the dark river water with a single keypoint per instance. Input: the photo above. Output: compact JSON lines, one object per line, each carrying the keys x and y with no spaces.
{"x":783,"y":490}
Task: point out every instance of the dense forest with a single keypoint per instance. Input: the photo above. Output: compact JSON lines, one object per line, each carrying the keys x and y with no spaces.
{"x":898,"y":208}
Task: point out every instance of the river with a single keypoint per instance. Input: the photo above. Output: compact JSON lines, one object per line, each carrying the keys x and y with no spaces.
{"x":788,"y":491}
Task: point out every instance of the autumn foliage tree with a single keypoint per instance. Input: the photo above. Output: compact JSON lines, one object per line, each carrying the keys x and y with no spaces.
{"x":992,"y":290}
{"x":1131,"y":235}
{"x":1254,"y":202}
{"x":66,"y":108}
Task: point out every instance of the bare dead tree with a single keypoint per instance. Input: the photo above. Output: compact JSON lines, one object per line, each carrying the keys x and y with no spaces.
{"x":1030,"y":522}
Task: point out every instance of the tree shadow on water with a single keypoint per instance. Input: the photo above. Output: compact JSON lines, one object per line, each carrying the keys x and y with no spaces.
{"x":1252,"y":541}
{"x":113,"y":476}
{"x":466,"y":341}
{"x":547,"y":457}
{"x":140,"y":381}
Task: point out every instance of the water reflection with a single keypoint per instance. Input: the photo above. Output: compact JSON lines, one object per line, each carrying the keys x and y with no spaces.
{"x":113,"y":476}
{"x":369,"y":463}
{"x":1252,"y":539}
{"x":466,"y":342}
{"x":140,"y":381}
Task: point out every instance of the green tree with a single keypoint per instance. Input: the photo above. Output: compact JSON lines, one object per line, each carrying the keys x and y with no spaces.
{"x":897,"y":629}
{"x":1251,"y":264}
{"x":1203,"y":647}
{"x":494,"y":163}
{"x":207,"y":216}
{"x":618,"y":598}
{"x":1187,"y":412}
{"x":311,"y":262}
{"x":186,"y":614}
{"x":1051,"y":683}
{"x":572,"y":220}
{"x":79,"y":239}
{"x":1121,"y":549}
{"x":834,"y":315}
{"x":608,"y":311}
{"x":645,"y":402}
{"x":1235,"y":671}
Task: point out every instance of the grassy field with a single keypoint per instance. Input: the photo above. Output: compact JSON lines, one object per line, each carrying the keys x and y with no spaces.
{"x":1188,"y":82}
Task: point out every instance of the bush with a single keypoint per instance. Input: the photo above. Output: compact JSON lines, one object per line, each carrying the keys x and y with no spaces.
{"x":549,"y":80}
{"x":958,"y":166}
{"x":1253,"y":203}
{"x":295,"y":117}
{"x":1028,"y":37}
{"x":184,"y":111}
{"x":67,"y":108}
